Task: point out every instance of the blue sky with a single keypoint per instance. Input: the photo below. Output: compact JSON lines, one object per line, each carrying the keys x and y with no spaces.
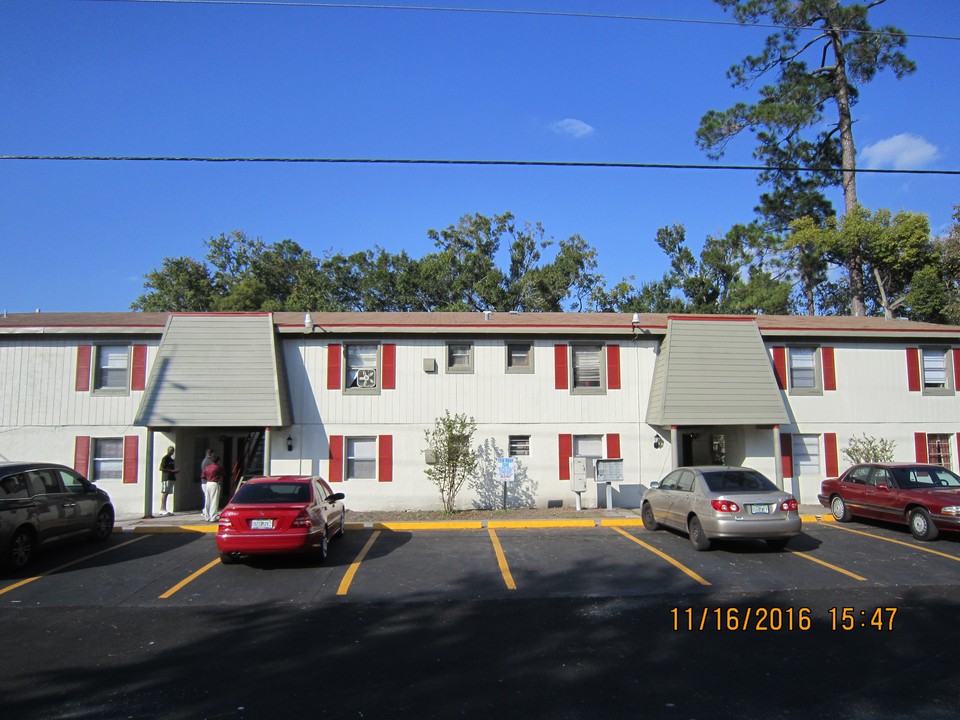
{"x":94,"y":78}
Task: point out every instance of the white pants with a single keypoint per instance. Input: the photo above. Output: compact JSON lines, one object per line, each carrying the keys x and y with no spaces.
{"x":211,"y":504}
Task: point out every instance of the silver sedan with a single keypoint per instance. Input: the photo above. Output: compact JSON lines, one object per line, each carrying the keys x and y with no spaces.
{"x":719,"y":502}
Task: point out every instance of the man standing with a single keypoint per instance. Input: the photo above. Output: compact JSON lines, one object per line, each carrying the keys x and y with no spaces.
{"x":211,"y":477}
{"x":168,"y":476}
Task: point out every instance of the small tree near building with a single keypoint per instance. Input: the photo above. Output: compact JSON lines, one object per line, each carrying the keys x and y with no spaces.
{"x":450,"y":443}
{"x":869,"y":449}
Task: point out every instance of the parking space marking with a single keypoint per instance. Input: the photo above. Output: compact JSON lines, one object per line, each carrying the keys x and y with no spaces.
{"x":186,"y":581}
{"x":355,"y":565}
{"x":805,"y":556}
{"x":896,"y":542}
{"x":676,"y":563}
{"x":502,"y":560}
{"x":25,"y":581}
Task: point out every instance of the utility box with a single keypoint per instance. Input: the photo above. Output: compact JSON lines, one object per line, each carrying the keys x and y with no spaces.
{"x":578,"y":474}
{"x":610,"y":470}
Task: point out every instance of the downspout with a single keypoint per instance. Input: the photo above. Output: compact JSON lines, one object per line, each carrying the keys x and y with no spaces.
{"x":148,"y":476}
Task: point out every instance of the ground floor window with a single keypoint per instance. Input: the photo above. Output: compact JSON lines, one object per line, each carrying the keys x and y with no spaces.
{"x":361,"y":458}
{"x":519,"y":445}
{"x":938,"y":450}
{"x":107,"y":459}
{"x":591,"y":448}
{"x":806,"y":455}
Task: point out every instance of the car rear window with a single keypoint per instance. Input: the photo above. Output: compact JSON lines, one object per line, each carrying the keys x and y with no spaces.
{"x":925,"y":477}
{"x":13,"y":487}
{"x":279,"y":492}
{"x":736,"y":480}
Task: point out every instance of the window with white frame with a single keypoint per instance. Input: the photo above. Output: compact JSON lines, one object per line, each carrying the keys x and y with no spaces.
{"x":519,"y":445}
{"x":361,"y":458}
{"x":591,"y":448}
{"x":112,"y":368}
{"x":519,"y":357}
{"x":936,"y":367}
{"x":938,"y":450}
{"x":362,"y":372}
{"x":587,"y":364}
{"x":460,"y":357}
{"x":806,"y":455}
{"x":804,"y":370}
{"x":107,"y":459}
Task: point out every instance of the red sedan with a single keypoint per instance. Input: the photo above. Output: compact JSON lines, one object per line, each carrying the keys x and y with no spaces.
{"x":925,"y":497}
{"x":285,"y":514}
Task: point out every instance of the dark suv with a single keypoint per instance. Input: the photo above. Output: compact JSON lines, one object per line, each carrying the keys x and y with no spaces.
{"x":42,"y":503}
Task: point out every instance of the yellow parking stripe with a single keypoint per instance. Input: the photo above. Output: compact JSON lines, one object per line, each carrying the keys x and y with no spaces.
{"x":355,"y":565}
{"x":180,"y":585}
{"x":677,"y":564}
{"x":896,"y":542}
{"x":826,"y":564}
{"x":502,"y":560}
{"x":25,"y":581}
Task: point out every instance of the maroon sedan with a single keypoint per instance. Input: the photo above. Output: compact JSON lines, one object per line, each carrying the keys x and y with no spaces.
{"x":285,"y":514}
{"x":925,"y":497}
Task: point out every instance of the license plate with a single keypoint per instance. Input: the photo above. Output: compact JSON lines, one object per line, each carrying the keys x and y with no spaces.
{"x":760,"y":509}
{"x":261,"y":524}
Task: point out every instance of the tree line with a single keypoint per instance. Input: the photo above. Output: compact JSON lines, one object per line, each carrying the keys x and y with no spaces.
{"x":795,"y":256}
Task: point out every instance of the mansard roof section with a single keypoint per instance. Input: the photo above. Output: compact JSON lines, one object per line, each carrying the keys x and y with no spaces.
{"x":83,"y":323}
{"x":217,"y":371}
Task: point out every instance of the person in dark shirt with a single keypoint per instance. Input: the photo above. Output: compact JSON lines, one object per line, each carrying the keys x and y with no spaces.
{"x":168,"y":476}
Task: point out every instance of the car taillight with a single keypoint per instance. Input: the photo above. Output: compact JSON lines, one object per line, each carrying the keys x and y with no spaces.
{"x":724,"y":506}
{"x":302,"y":520}
{"x":789,"y":505}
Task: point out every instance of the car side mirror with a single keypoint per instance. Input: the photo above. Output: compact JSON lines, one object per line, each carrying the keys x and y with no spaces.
{"x":335,"y":497}
{"x":655,"y":484}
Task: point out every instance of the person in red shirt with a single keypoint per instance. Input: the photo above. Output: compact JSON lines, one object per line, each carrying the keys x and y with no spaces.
{"x":211,"y":477}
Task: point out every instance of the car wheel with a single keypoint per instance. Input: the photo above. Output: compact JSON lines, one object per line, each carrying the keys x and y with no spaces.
{"x":21,"y":549}
{"x":698,"y":538}
{"x":839,"y":509}
{"x":921,"y":525}
{"x":103,"y":527}
{"x":649,"y":519}
{"x":228,"y":558}
{"x":777,"y":544}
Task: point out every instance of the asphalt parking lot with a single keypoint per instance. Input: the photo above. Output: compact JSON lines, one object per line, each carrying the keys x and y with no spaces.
{"x":377,"y":565}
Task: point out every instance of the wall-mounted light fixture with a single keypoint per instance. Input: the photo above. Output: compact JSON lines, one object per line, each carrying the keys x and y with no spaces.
{"x":289,"y":442}
{"x":657,"y":442}
{"x":635,"y":324}
{"x":308,"y":322}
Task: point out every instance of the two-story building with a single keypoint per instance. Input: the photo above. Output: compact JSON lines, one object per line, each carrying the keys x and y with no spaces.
{"x":350,"y":395}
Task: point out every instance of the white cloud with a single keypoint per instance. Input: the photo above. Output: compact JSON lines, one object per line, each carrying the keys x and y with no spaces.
{"x":572,"y":128}
{"x":900,"y":152}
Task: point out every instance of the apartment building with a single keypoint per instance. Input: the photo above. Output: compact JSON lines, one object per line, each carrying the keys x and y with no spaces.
{"x":350,"y":396}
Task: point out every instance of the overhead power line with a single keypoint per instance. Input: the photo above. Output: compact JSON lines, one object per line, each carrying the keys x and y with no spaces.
{"x":505,"y":11}
{"x":435,"y":161}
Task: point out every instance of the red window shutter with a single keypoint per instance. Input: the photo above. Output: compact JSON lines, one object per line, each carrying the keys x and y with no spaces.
{"x":336,"y":458}
{"x":83,"y":368}
{"x":613,"y":368}
{"x":566,"y":452}
{"x":920,"y":443}
{"x":389,"y":362}
{"x":913,"y":369}
{"x":81,"y":455}
{"x":131,"y":450}
{"x":560,"y":367}
{"x":385,"y":463}
{"x":786,"y":454}
{"x":830,"y":454}
{"x":829,"y":368}
{"x":613,"y":445}
{"x":138,"y":380}
{"x":956,"y":370}
{"x":333,"y":366}
{"x":780,"y":366}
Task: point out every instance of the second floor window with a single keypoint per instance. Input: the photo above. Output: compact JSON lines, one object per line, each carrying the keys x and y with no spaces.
{"x":587,"y":361}
{"x":803,"y":369}
{"x":460,"y":357}
{"x":934,"y":369}
{"x":519,"y":357}
{"x":361,"y":370}
{"x":112,"y":367}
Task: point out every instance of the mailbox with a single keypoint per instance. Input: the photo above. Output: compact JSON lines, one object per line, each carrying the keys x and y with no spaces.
{"x":578,"y":474}
{"x":610,"y":470}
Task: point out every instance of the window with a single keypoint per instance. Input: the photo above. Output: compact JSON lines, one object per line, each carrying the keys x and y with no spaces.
{"x":460,"y":357}
{"x":361,"y":458}
{"x":587,"y":367}
{"x":112,"y":368}
{"x":361,"y":368}
{"x":13,"y":487}
{"x":938,"y":450}
{"x":806,"y":455}
{"x":107,"y":459}
{"x":519,"y":357}
{"x":591,"y":448}
{"x":935,"y":370}
{"x":519,"y":445}
{"x":804,"y":370}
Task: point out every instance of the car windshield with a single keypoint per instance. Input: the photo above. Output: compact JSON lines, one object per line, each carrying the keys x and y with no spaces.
{"x":735,"y":480}
{"x":924,"y":478}
{"x":279,"y":492}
